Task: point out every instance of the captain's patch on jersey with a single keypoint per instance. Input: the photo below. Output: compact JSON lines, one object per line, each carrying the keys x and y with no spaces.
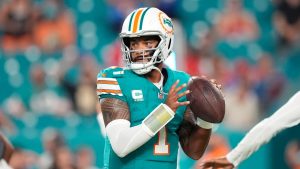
{"x":137,"y":95}
{"x":108,"y":86}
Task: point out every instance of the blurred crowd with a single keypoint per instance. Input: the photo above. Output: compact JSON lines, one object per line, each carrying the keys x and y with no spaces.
{"x":49,"y":25}
{"x":56,"y":155}
{"x":52,"y":50}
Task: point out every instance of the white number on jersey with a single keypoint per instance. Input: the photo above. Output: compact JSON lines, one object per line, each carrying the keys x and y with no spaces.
{"x":162,"y":147}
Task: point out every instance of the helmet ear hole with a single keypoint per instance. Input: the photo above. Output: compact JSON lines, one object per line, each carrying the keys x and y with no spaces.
{"x":126,"y":41}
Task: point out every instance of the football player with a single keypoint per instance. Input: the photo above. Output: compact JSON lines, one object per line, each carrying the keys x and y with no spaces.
{"x":285,"y":117}
{"x":6,"y":150}
{"x":144,"y":105}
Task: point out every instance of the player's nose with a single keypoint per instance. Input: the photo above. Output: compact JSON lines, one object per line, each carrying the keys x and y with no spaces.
{"x":140,"y":49}
{"x":141,"y":45}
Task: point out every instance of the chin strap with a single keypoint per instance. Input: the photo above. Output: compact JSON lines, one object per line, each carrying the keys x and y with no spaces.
{"x":159,"y":85}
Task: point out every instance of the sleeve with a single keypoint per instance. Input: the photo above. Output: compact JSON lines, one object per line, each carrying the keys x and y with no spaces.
{"x":4,"y":165}
{"x":125,"y":139}
{"x":287,"y":116}
{"x":108,"y":87}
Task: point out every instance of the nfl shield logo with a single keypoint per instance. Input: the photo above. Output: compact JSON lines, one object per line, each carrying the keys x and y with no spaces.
{"x":160,"y":95}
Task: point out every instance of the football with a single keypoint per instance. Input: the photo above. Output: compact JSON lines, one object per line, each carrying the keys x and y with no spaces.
{"x":206,"y":100}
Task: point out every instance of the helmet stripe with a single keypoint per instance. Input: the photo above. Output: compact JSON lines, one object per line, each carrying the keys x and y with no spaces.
{"x":142,"y":19}
{"x":130,"y":22}
{"x":136,"y":20}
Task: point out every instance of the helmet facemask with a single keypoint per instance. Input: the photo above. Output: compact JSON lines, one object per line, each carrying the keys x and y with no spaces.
{"x":149,"y":57}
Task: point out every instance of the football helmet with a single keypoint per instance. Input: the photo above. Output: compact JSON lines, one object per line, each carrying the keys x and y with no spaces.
{"x":147,"y":22}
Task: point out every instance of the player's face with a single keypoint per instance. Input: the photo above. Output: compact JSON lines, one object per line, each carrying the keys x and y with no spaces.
{"x":141,"y":46}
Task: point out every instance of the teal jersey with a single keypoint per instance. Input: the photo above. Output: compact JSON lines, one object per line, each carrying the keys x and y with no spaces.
{"x":142,"y":96}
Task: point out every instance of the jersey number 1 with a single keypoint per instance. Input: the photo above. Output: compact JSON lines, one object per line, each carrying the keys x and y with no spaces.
{"x":162,"y":147}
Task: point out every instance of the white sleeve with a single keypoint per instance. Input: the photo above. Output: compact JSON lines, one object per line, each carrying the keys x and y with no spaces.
{"x":125,"y":139}
{"x":4,"y":165}
{"x":101,"y":124}
{"x":287,"y":116}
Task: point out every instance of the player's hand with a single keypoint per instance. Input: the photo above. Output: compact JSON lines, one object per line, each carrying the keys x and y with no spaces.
{"x":217,"y":163}
{"x":215,"y":83}
{"x":173,"y":96}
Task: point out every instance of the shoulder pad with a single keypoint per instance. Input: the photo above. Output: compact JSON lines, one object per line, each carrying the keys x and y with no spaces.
{"x":107,"y":83}
{"x":113,"y":72}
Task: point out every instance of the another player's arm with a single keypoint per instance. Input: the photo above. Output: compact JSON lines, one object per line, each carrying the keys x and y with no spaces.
{"x":6,"y":148}
{"x":285,"y":117}
{"x":193,"y":138}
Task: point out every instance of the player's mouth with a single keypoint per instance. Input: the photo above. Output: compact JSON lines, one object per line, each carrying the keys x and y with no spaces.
{"x":141,"y":59}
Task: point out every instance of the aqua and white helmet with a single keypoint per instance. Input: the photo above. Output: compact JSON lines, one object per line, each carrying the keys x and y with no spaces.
{"x":147,"y":22}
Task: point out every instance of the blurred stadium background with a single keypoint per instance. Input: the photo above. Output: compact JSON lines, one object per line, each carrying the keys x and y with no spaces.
{"x":51,"y":51}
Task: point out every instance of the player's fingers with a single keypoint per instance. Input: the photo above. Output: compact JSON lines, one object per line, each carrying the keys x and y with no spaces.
{"x":201,"y":167}
{"x":183,"y":94}
{"x":173,"y":87}
{"x":205,"y":165}
{"x":229,"y":167}
{"x":184,"y":103}
{"x":213,"y":81}
{"x":180,"y":87}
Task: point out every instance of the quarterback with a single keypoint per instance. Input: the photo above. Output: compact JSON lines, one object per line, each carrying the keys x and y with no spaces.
{"x":144,"y":104}
{"x":285,"y":117}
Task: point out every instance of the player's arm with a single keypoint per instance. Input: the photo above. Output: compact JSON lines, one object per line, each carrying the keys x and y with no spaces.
{"x":124,"y":138}
{"x":116,"y":116}
{"x":6,"y":151}
{"x":193,"y":138}
{"x":285,"y":117}
{"x":114,"y":109}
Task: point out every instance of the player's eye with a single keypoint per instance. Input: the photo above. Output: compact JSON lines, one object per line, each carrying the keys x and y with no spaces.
{"x":133,"y":44}
{"x":149,"y":43}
